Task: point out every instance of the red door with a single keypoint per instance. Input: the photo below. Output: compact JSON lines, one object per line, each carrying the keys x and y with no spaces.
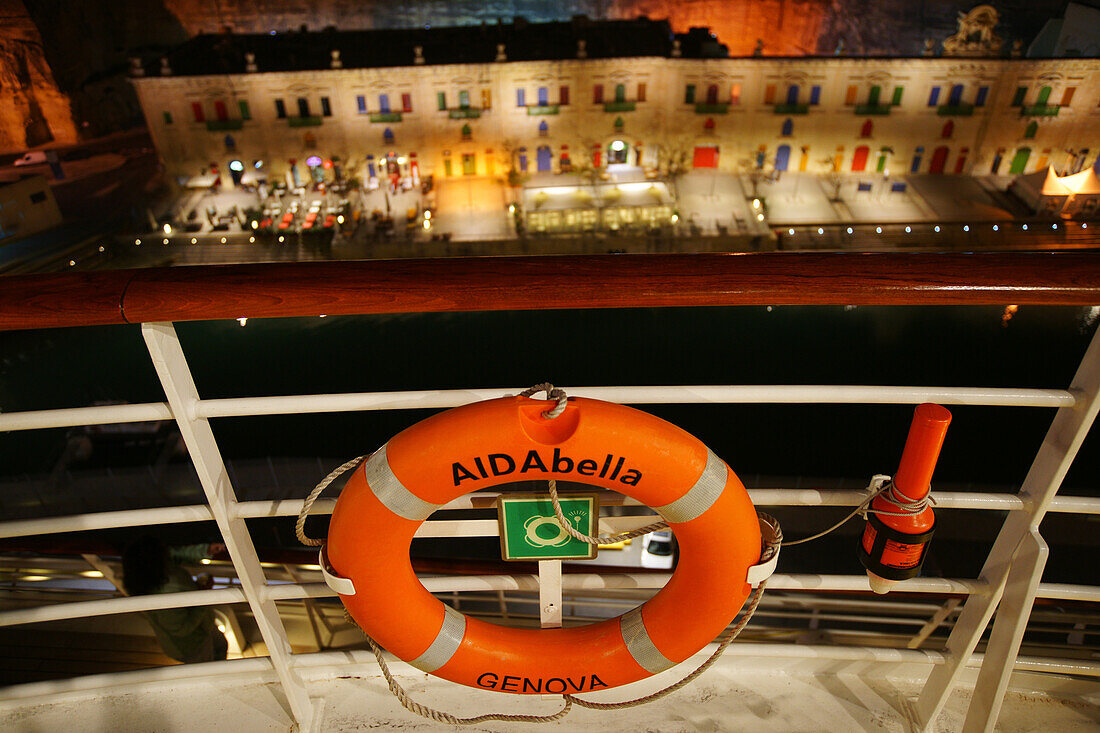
{"x":939,"y":160}
{"x":706,"y":156}
{"x":859,"y":159}
{"x":220,"y":111}
{"x":961,"y":162}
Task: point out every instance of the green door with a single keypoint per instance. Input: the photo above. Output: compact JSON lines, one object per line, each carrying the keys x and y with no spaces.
{"x":447,"y":167}
{"x":1044,"y":95}
{"x":469,"y":164}
{"x":872,"y":98}
{"x":881,"y":163}
{"x":1019,"y":162}
{"x":620,"y":92}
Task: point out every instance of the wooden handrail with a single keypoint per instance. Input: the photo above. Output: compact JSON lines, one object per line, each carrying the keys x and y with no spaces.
{"x":525,"y":283}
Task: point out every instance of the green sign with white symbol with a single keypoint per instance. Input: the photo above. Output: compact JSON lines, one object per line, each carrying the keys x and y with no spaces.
{"x":530,"y":531}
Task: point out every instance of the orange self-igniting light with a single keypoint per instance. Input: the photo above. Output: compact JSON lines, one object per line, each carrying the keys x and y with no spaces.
{"x":893,"y":547}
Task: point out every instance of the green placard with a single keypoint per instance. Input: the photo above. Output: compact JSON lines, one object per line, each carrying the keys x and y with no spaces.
{"x":530,"y":531}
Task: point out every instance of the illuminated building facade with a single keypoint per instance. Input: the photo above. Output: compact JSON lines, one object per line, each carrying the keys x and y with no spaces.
{"x":552,"y":97}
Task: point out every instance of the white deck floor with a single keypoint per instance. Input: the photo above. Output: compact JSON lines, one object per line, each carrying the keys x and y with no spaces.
{"x":738,"y":694}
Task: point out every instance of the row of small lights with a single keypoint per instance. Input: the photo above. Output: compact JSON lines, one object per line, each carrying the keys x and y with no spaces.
{"x":137,"y":243}
{"x":909,"y":229}
{"x":244,"y":322}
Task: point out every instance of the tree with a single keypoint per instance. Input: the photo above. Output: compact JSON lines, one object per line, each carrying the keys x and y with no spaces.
{"x":758,"y":171}
{"x":833,"y":176}
{"x":674,"y":157}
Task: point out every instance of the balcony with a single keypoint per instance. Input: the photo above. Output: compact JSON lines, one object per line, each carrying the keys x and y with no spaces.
{"x":543,"y":109}
{"x":222,"y":125}
{"x":618,"y":106}
{"x":385,"y":117}
{"x":955,"y":110}
{"x":1040,"y":110}
{"x":792,"y":109}
{"x":269,"y":596}
{"x":304,"y":121}
{"x":464,"y":113}
{"x":872,"y":109}
{"x":703,"y":108}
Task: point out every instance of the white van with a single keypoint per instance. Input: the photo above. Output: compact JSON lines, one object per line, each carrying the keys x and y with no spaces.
{"x":35,"y":157}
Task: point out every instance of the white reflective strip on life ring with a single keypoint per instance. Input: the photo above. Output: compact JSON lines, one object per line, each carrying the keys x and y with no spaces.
{"x":701,"y":496}
{"x":391,"y":492}
{"x":759,"y":573}
{"x":446,"y":642}
{"x":640,"y":646}
{"x":343,"y":586}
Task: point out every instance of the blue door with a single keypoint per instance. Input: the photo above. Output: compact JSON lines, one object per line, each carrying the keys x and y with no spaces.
{"x":915,"y":168}
{"x":782,"y":157}
{"x":956,"y":95}
{"x":792,"y":94}
{"x":544,"y":157}
{"x":523,"y":162}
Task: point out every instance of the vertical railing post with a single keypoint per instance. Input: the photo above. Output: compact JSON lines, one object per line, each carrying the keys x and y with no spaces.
{"x":1016,"y":560}
{"x":179,"y":388}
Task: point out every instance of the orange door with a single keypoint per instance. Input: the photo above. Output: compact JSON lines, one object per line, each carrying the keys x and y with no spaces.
{"x":859,"y":159}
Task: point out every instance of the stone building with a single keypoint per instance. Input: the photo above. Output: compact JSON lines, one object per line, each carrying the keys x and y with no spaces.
{"x":27,"y":206}
{"x":486,"y":100}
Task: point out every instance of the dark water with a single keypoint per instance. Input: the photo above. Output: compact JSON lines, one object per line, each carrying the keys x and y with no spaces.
{"x":942,"y":346}
{"x":986,"y":447}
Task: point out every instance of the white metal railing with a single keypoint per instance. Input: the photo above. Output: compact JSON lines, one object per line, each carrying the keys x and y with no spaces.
{"x":1010,"y":578}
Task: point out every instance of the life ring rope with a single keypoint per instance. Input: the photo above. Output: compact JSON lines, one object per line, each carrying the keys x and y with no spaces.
{"x":300,"y":525}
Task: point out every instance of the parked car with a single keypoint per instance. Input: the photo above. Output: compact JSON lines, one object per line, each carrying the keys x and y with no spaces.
{"x":35,"y":157}
{"x":657,"y":550}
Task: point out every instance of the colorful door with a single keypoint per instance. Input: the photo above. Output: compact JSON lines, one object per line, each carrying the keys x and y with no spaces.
{"x":1019,"y":161}
{"x":782,"y":157}
{"x":706,"y":156}
{"x":880,"y":167}
{"x":939,"y":160}
{"x":543,"y":157}
{"x":469,"y":164}
{"x":447,"y":171}
{"x":523,"y":162}
{"x":859,"y":159}
{"x":996,"y":166}
{"x":960,"y":164}
{"x":804,"y":161}
{"x":917,"y":157}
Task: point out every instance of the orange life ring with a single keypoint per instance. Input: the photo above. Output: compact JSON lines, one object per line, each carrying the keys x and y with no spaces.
{"x":480,"y":445}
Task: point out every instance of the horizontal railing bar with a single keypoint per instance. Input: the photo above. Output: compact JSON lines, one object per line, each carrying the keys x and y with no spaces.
{"x":272,"y":290}
{"x":76,"y":416}
{"x":441,"y":399}
{"x":700,"y":394}
{"x":123,"y":604}
{"x":524,"y":582}
{"x":106,"y":520}
{"x":594,"y":581}
{"x":485,"y":500}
